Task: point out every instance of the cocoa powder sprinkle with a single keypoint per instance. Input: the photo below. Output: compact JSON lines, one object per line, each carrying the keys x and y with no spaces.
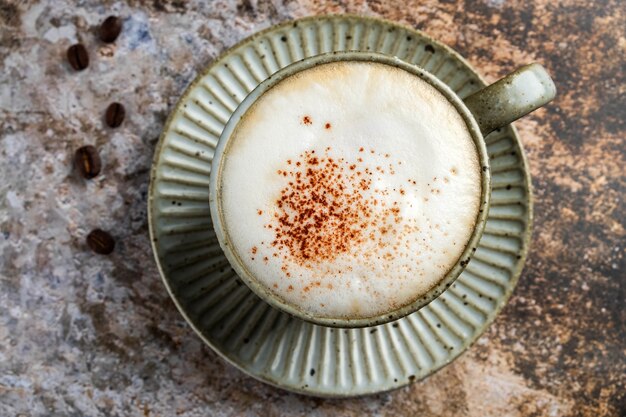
{"x":328,"y":207}
{"x":320,"y":215}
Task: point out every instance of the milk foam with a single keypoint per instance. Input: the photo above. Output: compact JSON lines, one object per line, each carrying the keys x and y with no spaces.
{"x":387,"y":152}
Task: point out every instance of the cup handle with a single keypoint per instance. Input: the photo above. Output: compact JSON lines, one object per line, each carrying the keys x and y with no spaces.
{"x":512,"y":97}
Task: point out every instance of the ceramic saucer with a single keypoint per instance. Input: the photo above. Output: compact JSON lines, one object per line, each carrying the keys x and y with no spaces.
{"x":275,"y":347}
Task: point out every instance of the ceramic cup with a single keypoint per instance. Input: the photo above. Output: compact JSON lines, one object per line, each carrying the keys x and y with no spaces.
{"x":496,"y":105}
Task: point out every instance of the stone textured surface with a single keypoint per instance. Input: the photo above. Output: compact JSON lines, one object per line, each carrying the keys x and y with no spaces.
{"x":84,"y":334}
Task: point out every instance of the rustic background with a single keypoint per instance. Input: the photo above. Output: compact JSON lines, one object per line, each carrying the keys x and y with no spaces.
{"x":85,"y":334}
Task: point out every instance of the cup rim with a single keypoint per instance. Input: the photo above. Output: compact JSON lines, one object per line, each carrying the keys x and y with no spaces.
{"x":224,"y":143}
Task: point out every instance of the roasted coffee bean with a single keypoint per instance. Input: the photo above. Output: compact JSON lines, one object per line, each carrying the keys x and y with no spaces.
{"x":88,"y":161}
{"x":115,"y":114}
{"x":100,"y":242}
{"x":110,"y":29}
{"x":78,"y":57}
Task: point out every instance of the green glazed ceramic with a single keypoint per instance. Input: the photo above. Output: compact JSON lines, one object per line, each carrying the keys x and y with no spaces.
{"x":511,"y":103}
{"x":276,"y":347}
{"x":221,"y":153}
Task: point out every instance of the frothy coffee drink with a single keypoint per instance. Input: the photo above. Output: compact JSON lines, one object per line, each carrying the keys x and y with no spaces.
{"x":350,"y":189}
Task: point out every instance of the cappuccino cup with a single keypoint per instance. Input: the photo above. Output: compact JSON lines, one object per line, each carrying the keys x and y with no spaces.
{"x":350,"y":189}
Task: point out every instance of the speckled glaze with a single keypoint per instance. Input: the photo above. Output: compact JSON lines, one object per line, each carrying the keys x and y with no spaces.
{"x":493,"y":107}
{"x":274,"y":346}
{"x":221,"y":152}
{"x":524,"y":90}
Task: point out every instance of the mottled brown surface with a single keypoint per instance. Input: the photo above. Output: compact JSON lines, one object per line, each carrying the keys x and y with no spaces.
{"x":98,"y":336}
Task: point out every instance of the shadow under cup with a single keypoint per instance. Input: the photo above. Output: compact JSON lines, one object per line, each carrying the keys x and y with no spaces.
{"x":234,"y":254}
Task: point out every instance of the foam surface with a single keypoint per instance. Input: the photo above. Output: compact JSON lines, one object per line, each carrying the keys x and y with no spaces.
{"x":350,"y":189}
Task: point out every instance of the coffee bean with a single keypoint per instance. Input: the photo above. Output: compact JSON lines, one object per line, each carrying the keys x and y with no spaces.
{"x":88,"y":161}
{"x":110,"y":29}
{"x":100,"y":242}
{"x":78,"y":57}
{"x":115,"y":114}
